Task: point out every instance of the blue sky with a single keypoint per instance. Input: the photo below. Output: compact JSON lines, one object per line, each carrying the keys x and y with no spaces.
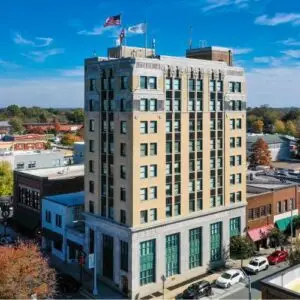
{"x":43,"y":43}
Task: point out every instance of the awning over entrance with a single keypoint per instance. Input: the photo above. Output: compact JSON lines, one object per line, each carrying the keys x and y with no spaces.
{"x":260,"y":233}
{"x":283,"y":224}
{"x":51,"y":235}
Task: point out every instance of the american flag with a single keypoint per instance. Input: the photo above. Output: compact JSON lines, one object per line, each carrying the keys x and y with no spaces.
{"x":112,"y":21}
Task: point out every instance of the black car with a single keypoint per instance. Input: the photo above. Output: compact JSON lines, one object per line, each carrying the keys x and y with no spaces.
{"x":197,"y":290}
{"x":67,"y":284}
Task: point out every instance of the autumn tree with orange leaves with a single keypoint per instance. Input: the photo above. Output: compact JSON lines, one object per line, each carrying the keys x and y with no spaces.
{"x":25,"y":272}
{"x":260,"y":153}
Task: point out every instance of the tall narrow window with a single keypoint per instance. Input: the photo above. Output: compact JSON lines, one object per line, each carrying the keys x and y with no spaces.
{"x":216,"y":241}
{"x":172,"y":254}
{"x":195,"y":239}
{"x":147,"y":262}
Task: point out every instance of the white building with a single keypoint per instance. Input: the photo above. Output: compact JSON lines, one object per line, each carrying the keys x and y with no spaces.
{"x":28,"y":160}
{"x":62,"y":236}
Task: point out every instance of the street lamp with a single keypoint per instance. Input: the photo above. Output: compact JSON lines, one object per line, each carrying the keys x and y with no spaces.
{"x":249,"y":283}
{"x":95,"y":289}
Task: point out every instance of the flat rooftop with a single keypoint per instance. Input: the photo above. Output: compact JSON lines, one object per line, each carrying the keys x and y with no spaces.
{"x":58,"y":172}
{"x":286,"y":281}
{"x":263,"y":184}
{"x":71,"y":199}
{"x":292,"y":165}
{"x":42,"y":152}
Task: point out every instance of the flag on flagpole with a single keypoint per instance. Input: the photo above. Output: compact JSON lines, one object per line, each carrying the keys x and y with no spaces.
{"x":113,"y":21}
{"x":122,"y":36}
{"x":138,"y":28}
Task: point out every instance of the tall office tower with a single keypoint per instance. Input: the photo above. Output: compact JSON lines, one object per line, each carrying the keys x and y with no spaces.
{"x":165,"y":164}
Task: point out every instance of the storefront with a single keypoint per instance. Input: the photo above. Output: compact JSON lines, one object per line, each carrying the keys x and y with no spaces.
{"x":260,"y":235}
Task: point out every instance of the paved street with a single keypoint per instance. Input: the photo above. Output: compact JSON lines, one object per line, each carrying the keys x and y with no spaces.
{"x":256,"y":293}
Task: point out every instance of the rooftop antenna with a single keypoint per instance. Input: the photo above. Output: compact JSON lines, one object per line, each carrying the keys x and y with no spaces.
{"x":202,"y":43}
{"x":191,"y":38}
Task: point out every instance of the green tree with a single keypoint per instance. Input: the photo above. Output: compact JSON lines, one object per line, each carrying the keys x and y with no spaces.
{"x":43,"y":117}
{"x":276,"y":237}
{"x":6,"y":179}
{"x":241,"y":247}
{"x":260,"y":153}
{"x":13,"y":110}
{"x":290,"y":128}
{"x":76,"y":116}
{"x":294,"y":253}
{"x":279,"y":127}
{"x":69,"y":139}
{"x":17,"y":125}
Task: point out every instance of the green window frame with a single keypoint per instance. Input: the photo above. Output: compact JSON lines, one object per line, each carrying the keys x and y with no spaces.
{"x":216,"y":241}
{"x":195,"y":239}
{"x":235,"y":226}
{"x":147,"y":262}
{"x":172,"y":254}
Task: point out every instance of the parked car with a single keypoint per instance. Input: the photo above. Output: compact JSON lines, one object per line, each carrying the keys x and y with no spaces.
{"x":229,"y":278}
{"x":277,"y":257}
{"x":197,"y":290}
{"x":257,"y":264}
{"x":66,"y":283}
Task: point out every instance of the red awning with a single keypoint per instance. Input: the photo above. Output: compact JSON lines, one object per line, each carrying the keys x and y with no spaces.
{"x":260,"y":233}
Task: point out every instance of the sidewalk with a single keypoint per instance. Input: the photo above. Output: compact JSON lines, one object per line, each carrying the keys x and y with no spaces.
{"x":171,"y":293}
{"x":104,"y":291}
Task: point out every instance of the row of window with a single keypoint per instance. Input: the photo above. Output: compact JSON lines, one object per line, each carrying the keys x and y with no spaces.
{"x":150,"y":82}
{"x":235,"y":142}
{"x":258,"y":212}
{"x":146,"y":171}
{"x":21,"y":165}
{"x":148,"y":104}
{"x":148,"y":215}
{"x":236,"y":197}
{"x":235,"y":124}
{"x":148,"y":193}
{"x":148,"y":149}
{"x":58,"y":218}
{"x":235,"y":178}
{"x":235,"y":160}
{"x":173,"y":251}
{"x":29,"y":197}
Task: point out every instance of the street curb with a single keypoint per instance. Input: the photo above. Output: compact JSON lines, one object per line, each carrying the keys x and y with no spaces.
{"x":231,"y":292}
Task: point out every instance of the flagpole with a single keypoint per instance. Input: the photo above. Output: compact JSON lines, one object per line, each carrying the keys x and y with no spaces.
{"x":146,"y":29}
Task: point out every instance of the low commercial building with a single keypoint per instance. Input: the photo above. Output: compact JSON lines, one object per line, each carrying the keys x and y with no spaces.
{"x":27,"y":160}
{"x":270,"y":202}
{"x":282,"y":285}
{"x":24,"y":142}
{"x":62,"y":232}
{"x":31,"y":186}
{"x":279,"y":145}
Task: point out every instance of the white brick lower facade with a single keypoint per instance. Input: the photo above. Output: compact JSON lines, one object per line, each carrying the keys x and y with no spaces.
{"x":159,"y":233}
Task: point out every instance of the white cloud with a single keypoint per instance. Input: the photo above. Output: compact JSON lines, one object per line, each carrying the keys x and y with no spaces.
{"x":44,"y":41}
{"x":292,"y":53}
{"x":238,"y":51}
{"x":279,"y":18}
{"x":290,"y":42}
{"x":273,"y":85}
{"x":8,"y":65}
{"x":97,"y":30}
{"x":46,"y":92}
{"x":217,"y":4}
{"x":78,"y":71}
{"x":272,"y":60}
{"x":41,"y":56}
